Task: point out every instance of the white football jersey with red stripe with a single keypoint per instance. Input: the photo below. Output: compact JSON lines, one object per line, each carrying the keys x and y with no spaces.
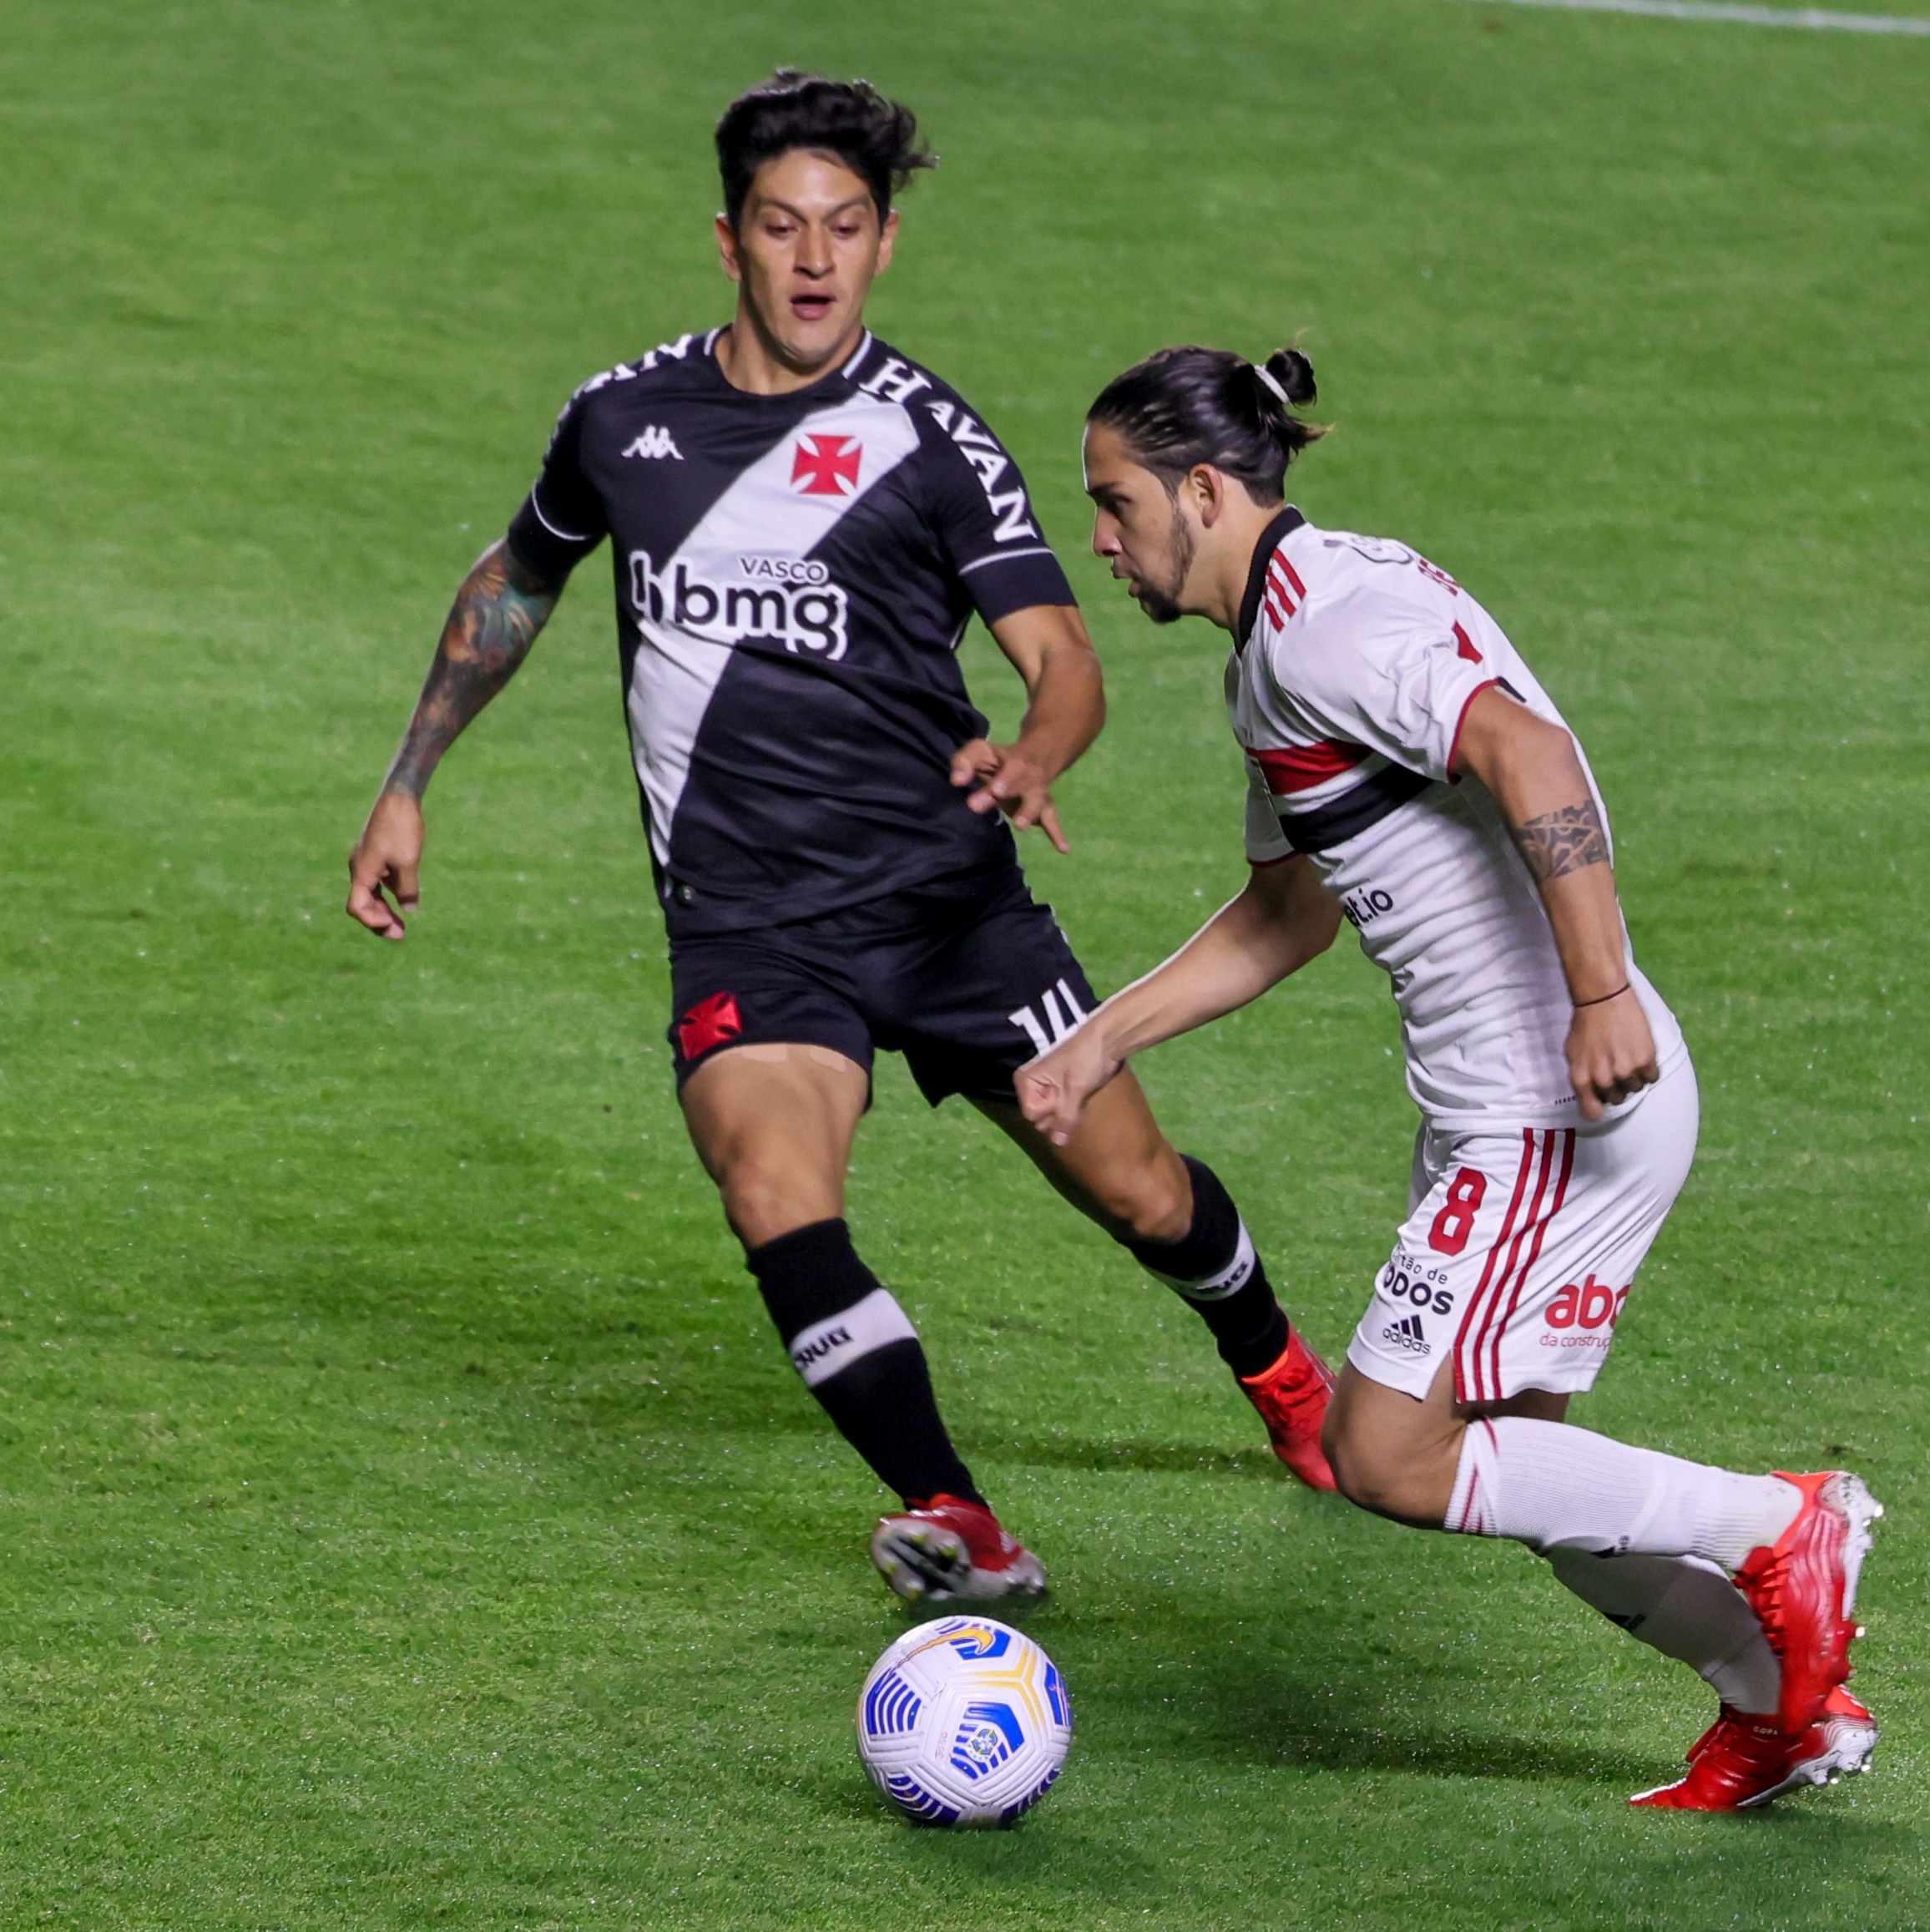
{"x":1358,"y":660}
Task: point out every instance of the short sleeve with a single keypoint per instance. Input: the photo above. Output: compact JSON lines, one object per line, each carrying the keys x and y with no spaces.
{"x":562,"y":518}
{"x":983,"y":513}
{"x":1402,"y":689}
{"x":1266,"y":844}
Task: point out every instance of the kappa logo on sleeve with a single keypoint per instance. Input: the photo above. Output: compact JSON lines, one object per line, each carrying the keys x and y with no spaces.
{"x":655,"y":442}
{"x":826,"y":466}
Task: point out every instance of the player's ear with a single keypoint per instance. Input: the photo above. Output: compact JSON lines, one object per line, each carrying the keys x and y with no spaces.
{"x":727,"y":248}
{"x":1208,"y":488}
{"x":887,"y":236}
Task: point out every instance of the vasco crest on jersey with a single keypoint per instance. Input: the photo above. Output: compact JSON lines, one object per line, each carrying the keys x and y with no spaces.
{"x":750,"y":599}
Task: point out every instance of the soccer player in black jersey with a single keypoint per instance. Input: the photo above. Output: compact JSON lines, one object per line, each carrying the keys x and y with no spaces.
{"x":802,"y":523}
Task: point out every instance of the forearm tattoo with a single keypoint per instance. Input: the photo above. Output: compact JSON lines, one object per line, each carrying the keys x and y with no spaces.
{"x":494,"y":620}
{"x":1558,"y":842}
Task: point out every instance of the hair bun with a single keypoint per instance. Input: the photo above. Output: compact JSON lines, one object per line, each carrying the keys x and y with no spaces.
{"x":1294,"y":373}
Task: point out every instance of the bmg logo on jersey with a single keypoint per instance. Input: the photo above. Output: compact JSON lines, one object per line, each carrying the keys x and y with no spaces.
{"x":787,"y":601}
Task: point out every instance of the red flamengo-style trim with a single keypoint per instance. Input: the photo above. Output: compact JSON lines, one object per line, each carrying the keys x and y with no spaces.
{"x":1567,"y":1136}
{"x":1543,"y":1168}
{"x":1460,"y":725}
{"x":1473,"y":1516}
{"x":1303,"y":766}
{"x":1460,"y":1389}
{"x":1283,"y":583}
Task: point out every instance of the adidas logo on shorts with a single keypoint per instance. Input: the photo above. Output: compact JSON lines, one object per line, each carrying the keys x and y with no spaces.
{"x":1408,"y":1333}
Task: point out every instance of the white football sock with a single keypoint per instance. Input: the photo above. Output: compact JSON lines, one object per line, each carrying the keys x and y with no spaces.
{"x":1545,"y":1483}
{"x":1685,"y":1608}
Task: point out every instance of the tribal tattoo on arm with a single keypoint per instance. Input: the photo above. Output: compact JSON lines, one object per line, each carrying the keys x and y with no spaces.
{"x":1555,"y":843}
{"x":501,"y":607}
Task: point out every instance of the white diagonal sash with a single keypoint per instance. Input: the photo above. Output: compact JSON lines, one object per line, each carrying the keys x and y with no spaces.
{"x":765,"y":518}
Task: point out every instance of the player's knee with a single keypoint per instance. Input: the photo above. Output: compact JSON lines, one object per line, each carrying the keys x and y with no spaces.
{"x":1391,"y":1479}
{"x":1151,"y":1201}
{"x":765,"y":1199}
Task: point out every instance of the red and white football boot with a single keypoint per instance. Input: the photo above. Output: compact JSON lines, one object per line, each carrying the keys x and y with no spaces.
{"x":1803,"y":1589}
{"x":1740,"y":1762}
{"x":1291,"y":1397}
{"x":949,"y":1550}
{"x":1841,"y":1743}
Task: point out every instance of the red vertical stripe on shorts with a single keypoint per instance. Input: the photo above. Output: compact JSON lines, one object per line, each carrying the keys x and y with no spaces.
{"x":1566,"y":1136}
{"x":1543,"y":1150}
{"x":1461,"y":1390}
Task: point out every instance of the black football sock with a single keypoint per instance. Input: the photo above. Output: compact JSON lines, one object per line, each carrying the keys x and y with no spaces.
{"x":1215,"y":1267}
{"x":860,"y":1357}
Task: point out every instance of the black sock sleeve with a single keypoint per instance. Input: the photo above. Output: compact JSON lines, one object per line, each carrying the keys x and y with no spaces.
{"x":1216,"y":1268}
{"x":861,"y":1358}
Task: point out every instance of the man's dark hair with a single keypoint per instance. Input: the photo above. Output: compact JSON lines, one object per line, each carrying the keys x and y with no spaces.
{"x":876,"y":138}
{"x":1187,"y":406}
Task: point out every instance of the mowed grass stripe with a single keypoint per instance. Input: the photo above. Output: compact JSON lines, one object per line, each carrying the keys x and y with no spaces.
{"x":409,"y":1518}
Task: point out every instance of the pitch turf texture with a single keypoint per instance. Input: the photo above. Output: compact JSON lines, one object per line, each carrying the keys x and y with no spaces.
{"x":408,"y":1517}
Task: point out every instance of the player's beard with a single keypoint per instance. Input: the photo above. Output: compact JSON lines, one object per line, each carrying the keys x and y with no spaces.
{"x":1160,"y":601}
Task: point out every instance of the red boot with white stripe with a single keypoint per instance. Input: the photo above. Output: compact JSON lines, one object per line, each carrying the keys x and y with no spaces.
{"x":1741,"y":1762}
{"x":1803,"y":1589}
{"x":950,"y":1550}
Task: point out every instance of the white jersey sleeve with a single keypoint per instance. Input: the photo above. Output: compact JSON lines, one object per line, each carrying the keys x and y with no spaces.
{"x":1402,"y":688}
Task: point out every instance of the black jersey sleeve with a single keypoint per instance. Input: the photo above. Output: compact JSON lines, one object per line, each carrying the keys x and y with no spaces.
{"x":982,"y":513}
{"x":562,"y":518}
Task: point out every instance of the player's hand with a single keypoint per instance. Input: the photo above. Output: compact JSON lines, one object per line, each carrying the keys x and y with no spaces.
{"x":1053,"y":1089}
{"x":1611,"y":1053}
{"x":384,"y":863}
{"x":1009,"y":779}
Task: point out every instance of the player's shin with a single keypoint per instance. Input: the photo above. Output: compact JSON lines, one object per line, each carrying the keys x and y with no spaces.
{"x":1686,"y":1608}
{"x":1216,"y":1268}
{"x":860,"y":1357}
{"x":1548,"y":1484}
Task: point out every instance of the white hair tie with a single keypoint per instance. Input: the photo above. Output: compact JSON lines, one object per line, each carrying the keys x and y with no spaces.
{"x":1267,"y":376}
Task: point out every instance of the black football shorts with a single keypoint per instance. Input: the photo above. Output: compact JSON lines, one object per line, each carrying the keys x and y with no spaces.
{"x":968,"y":979}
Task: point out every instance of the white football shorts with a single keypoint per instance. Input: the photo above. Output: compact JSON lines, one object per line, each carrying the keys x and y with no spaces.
{"x":1520,"y":1246}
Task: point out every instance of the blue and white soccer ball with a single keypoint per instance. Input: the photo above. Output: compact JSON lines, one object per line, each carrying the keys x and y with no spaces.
{"x":964,"y":1722}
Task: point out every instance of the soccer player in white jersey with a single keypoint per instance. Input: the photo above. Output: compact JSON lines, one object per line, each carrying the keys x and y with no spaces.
{"x":802,"y":521}
{"x":1410,"y":775}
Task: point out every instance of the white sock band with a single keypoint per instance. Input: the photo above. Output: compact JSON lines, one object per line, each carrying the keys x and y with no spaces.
{"x":1230,"y":1280}
{"x":829,"y":1347}
{"x":1545,"y":1484}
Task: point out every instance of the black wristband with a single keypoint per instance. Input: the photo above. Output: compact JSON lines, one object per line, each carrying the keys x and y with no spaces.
{"x":1618,"y":993}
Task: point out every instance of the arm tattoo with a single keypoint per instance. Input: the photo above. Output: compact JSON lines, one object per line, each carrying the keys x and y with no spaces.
{"x":497,"y":612}
{"x":1558,"y":842}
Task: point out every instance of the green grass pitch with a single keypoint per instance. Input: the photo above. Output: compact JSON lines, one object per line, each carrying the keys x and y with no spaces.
{"x":405,"y":1517}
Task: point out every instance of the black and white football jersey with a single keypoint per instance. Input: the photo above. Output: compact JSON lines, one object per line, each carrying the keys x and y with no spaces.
{"x":793,"y":575}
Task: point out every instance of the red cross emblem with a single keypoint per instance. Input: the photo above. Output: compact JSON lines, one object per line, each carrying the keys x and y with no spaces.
{"x":826,"y":466}
{"x":710,"y":1023}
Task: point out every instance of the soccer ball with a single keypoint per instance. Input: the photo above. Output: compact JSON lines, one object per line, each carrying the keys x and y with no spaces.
{"x":964,"y":1722}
